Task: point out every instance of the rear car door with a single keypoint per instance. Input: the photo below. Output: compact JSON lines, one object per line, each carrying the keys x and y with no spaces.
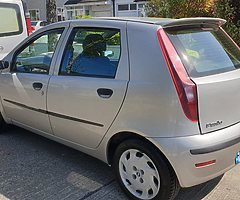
{"x":87,"y":90}
{"x":12,"y":26}
{"x":25,"y":85}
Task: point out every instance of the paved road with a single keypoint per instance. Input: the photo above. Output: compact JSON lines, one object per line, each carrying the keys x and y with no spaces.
{"x":32,"y":167}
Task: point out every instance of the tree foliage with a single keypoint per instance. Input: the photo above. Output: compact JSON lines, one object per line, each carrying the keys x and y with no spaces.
{"x":230,"y":10}
{"x":179,"y":8}
{"x":226,"y":9}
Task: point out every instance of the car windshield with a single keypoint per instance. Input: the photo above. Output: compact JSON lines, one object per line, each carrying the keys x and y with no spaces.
{"x":205,"y":51}
{"x":33,"y":23}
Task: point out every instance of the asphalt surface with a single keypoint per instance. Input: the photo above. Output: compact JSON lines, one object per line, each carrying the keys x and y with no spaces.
{"x":33,"y":167}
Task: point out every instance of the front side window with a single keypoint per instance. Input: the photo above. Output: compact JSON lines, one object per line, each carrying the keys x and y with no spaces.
{"x":92,"y":52}
{"x":36,"y":57}
{"x":10,"y":23}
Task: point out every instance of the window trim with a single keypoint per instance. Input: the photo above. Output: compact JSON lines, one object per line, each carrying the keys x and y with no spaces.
{"x":88,"y":75}
{"x":19,"y":19}
{"x":16,"y":53}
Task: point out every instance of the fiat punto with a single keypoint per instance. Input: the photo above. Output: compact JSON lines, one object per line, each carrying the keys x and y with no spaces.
{"x":156,"y":99}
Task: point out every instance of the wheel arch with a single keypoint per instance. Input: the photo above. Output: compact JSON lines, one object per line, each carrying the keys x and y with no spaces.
{"x":120,"y":137}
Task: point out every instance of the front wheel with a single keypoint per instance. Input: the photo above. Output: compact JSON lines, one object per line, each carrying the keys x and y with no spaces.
{"x":143,"y":173}
{"x":3,"y":124}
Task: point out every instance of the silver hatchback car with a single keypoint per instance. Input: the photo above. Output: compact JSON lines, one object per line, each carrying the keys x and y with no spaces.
{"x":156,"y":99}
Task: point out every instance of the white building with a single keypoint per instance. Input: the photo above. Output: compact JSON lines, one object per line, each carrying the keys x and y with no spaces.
{"x":104,"y":8}
{"x":70,"y":9}
{"x":95,"y":8}
{"x":130,"y":8}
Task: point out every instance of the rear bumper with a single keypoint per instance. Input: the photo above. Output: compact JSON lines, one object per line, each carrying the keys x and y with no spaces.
{"x":184,"y":152}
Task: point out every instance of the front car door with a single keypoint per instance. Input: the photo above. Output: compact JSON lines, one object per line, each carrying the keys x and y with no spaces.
{"x":87,"y":91}
{"x":24,"y":86}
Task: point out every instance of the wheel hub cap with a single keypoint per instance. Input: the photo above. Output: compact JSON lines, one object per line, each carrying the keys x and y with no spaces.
{"x":139,"y":174}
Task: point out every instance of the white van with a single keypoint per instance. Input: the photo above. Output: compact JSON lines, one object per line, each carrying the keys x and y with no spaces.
{"x":14,"y":24}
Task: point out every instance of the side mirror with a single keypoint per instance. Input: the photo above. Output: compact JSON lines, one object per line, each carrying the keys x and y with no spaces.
{"x":4,"y":64}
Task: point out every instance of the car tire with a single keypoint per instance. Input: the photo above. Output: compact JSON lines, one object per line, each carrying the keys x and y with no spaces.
{"x":143,"y":173}
{"x":3,"y":124}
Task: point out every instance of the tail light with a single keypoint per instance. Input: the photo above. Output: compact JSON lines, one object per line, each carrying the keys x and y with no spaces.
{"x":186,"y":88}
{"x":28,"y":23}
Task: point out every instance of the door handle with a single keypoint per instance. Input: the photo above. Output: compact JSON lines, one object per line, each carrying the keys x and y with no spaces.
{"x":37,"y":86}
{"x":105,"y":93}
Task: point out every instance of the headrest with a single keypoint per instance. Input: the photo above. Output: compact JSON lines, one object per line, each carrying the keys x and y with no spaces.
{"x":94,"y":42}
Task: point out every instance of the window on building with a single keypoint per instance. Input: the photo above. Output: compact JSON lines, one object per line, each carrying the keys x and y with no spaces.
{"x":123,"y":7}
{"x":141,"y":6}
{"x":133,"y":6}
{"x":34,"y":14}
{"x":60,"y":14}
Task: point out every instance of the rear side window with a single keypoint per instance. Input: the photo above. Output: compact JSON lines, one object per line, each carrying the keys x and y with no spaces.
{"x":10,"y":23}
{"x":92,"y":52}
{"x":205,"y":51}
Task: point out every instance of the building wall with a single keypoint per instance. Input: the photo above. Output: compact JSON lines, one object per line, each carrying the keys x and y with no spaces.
{"x":94,"y":10}
{"x":41,"y":6}
{"x":37,"y":5}
{"x":136,"y":12}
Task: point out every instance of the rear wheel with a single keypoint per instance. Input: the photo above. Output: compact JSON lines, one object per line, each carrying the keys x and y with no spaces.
{"x":142,"y":173}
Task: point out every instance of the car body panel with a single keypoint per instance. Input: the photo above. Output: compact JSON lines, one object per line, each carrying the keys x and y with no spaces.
{"x":79,"y":98}
{"x":218,"y":100}
{"x":184,"y":162}
{"x":20,"y":97}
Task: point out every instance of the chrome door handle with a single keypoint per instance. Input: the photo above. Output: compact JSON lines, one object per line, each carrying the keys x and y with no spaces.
{"x":37,"y":86}
{"x":105,"y":93}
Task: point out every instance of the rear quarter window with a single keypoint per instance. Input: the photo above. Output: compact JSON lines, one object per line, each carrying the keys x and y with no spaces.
{"x":205,"y":51}
{"x":10,"y":23}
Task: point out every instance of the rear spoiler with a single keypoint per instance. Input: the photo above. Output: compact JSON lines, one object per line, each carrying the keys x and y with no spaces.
{"x":194,"y":21}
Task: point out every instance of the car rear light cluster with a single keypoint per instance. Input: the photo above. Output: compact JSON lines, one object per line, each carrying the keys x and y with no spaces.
{"x":28,"y":23}
{"x":186,"y":88}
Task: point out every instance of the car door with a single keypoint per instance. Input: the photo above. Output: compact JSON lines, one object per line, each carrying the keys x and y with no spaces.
{"x":25,"y":85}
{"x":87,"y":91}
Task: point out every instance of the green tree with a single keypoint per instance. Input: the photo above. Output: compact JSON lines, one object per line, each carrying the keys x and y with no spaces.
{"x":179,"y":8}
{"x":230,"y":10}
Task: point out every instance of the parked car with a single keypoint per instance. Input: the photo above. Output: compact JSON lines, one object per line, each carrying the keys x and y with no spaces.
{"x":156,"y":99}
{"x":38,"y":24}
{"x":14,"y":24}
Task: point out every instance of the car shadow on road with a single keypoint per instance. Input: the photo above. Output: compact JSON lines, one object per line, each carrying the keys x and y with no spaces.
{"x":33,"y":167}
{"x":200,"y":191}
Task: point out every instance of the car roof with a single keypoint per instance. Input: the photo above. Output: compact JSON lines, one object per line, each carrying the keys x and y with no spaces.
{"x":164,"y":22}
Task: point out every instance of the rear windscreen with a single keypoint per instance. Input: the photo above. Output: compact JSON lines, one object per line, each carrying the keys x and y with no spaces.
{"x":205,"y":51}
{"x":10,"y":20}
